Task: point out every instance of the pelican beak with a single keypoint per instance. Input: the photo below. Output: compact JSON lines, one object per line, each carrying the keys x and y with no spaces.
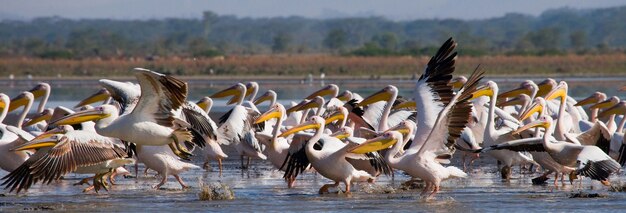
{"x":483,"y":91}
{"x":622,"y":88}
{"x":300,"y":127}
{"x":619,"y":109}
{"x":345,"y":96}
{"x":374,"y":144}
{"x":101,"y":95}
{"x":309,"y":105}
{"x":38,"y":91}
{"x":327,"y":90}
{"x":602,"y":105}
{"x":456,"y":83}
{"x":405,"y":105}
{"x":589,"y":100}
{"x":530,"y":111}
{"x":227,"y":92}
{"x":297,"y":106}
{"x":82,"y":116}
{"x":2,"y":104}
{"x":537,"y":123}
{"x":340,"y":135}
{"x":232,"y":100}
{"x":44,"y":116}
{"x":40,"y":142}
{"x":202,"y":104}
{"x":514,"y":93}
{"x":544,"y":88}
{"x":557,"y":92}
{"x":511,"y":102}
{"x":273,"y":113}
{"x":17,"y":102}
{"x":382,"y":95}
{"x":265,"y":97}
{"x":335,"y":117}
{"x":403,"y":129}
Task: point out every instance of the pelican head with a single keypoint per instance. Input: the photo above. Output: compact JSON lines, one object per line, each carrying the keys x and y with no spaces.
{"x":315,"y":122}
{"x":251,"y":87}
{"x":606,"y":103}
{"x":270,"y":95}
{"x":43,"y":116}
{"x":617,"y":109}
{"x":94,"y":114}
{"x":383,"y":95}
{"x":526,"y":87}
{"x":411,"y":105}
{"x":340,"y":114}
{"x":487,"y":90}
{"x":42,"y":142}
{"x":596,"y":97}
{"x":345,"y":96}
{"x":543,"y":121}
{"x":205,"y":103}
{"x":521,"y":99}
{"x":458,"y":82}
{"x":537,"y":106}
{"x":331,"y":89}
{"x":405,"y":127}
{"x":383,"y":141}
{"x":40,"y":90}
{"x":21,"y":100}
{"x":343,"y":133}
{"x":276,"y":111}
{"x":546,"y":86}
{"x":559,"y":91}
{"x":236,"y":90}
{"x":100,"y":95}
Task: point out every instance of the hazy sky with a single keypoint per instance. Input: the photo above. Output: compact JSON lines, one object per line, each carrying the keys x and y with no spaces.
{"x":393,"y":9}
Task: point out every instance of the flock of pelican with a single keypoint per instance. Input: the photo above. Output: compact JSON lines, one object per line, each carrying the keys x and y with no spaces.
{"x":342,"y":136}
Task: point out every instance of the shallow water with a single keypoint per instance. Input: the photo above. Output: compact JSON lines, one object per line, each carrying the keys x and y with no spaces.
{"x":262,"y":189}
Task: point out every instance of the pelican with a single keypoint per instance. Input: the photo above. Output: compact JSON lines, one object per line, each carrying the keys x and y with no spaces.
{"x":212,"y":151}
{"x":594,"y":98}
{"x":618,"y":148}
{"x":9,"y":139}
{"x":154,"y":120}
{"x":41,"y":90}
{"x":236,"y":126}
{"x":330,"y":161}
{"x":60,"y":154}
{"x":388,"y":95}
{"x":588,"y":161}
{"x":164,"y":162}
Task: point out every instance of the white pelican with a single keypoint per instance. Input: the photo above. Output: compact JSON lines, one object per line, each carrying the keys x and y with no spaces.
{"x":60,"y":154}
{"x":388,"y":95}
{"x":494,"y":136}
{"x":594,"y":98}
{"x":41,"y":90}
{"x":10,"y":160}
{"x":237,"y":125}
{"x":164,"y":162}
{"x":618,"y":148}
{"x":154,"y":120}
{"x":329,"y":161}
{"x":589,"y":161}
{"x":212,"y":150}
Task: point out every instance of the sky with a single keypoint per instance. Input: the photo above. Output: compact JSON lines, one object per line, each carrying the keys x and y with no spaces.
{"x":392,"y":9}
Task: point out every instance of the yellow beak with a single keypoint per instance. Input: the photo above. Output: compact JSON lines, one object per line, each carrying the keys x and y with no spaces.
{"x":44,"y":116}
{"x":382,"y":95}
{"x":589,"y":100}
{"x":82,"y":116}
{"x":19,"y":101}
{"x":456,"y":83}
{"x":405,"y":105}
{"x":514,"y":93}
{"x":2,"y":105}
{"x":301,"y":127}
{"x":530,"y":111}
{"x":38,"y":92}
{"x":401,"y":129}
{"x":274,"y":113}
{"x":297,"y":106}
{"x":375,"y":144}
{"x":623,"y":88}
{"x":47,"y":141}
{"x":511,"y":102}
{"x":335,"y":117}
{"x":558,"y":92}
{"x":537,"y":123}
{"x":101,"y":95}
{"x":203,"y":105}
{"x":604,"y":104}
{"x":328,"y":90}
{"x":618,"y":109}
{"x":265,"y":97}
{"x":484,"y":91}
{"x":228,"y":92}
{"x":345,"y":96}
{"x":309,"y":105}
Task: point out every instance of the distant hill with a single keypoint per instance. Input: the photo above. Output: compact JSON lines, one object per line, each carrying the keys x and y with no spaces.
{"x":553,"y":32}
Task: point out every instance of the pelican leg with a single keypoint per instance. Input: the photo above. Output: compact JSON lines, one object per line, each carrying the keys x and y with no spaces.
{"x":291,"y":182}
{"x":99,"y":182}
{"x":556,"y":178}
{"x":112,"y":177}
{"x":463,"y":162}
{"x":426,"y":188}
{"x":505,"y":172}
{"x":181,"y":135}
{"x":248,"y":164}
{"x":347,"y":187}
{"x":435,"y":190}
{"x":83,"y":181}
{"x":219,"y":163}
{"x":324,"y":189}
{"x":541,"y":179}
{"x":242,"y":165}
{"x":206,"y":165}
{"x":472,"y":159}
{"x":88,"y":189}
{"x":163,"y":181}
{"x":180,"y":180}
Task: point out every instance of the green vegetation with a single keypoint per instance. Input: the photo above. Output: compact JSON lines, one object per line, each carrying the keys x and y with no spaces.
{"x":554,"y":32}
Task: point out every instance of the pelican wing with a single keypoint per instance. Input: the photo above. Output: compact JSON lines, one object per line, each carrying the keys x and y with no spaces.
{"x":201,"y":124}
{"x":594,"y":163}
{"x":432,"y":91}
{"x":520,"y":145}
{"x":231,"y":126}
{"x":297,"y":161}
{"x":598,"y":136}
{"x":75,"y":149}
{"x":399,"y":116}
{"x":454,"y":117}
{"x":126,"y":94}
{"x":375,"y":159}
{"x":373,"y":113}
{"x":161,"y":95}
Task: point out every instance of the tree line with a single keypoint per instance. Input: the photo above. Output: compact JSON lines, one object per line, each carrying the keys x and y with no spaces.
{"x":558,"y":31}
